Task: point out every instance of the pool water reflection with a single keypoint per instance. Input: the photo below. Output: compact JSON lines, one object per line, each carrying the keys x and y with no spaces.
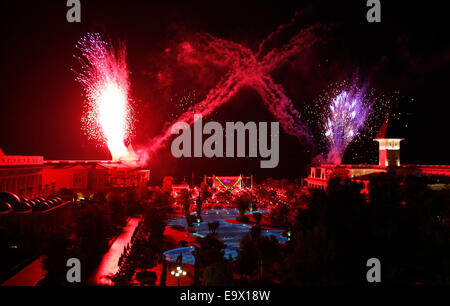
{"x":230,"y":234}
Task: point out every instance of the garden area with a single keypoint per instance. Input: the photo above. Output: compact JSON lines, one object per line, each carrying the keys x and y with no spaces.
{"x":274,"y":233}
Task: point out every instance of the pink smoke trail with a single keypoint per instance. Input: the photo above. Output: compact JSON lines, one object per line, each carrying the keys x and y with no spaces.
{"x":246,"y":69}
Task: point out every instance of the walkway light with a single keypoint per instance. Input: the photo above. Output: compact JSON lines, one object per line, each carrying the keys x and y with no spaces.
{"x":178,"y":272}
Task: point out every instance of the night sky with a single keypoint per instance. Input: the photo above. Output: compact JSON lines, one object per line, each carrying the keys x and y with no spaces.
{"x":406,"y":56}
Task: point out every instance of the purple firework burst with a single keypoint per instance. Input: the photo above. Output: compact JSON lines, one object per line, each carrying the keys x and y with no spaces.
{"x":347,"y":115}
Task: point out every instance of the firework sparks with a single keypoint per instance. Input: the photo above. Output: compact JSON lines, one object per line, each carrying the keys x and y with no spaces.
{"x":108,"y":116}
{"x":347,"y":114}
{"x":335,"y":128}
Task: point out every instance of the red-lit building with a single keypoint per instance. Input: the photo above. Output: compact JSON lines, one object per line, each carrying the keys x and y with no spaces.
{"x":389,"y":158}
{"x":25,"y":215}
{"x":229,"y":182}
{"x":29,"y":205}
{"x":88,"y":176}
{"x":32,"y":176}
{"x":21,"y":175}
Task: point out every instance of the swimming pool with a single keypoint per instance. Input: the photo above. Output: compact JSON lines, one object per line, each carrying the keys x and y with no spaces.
{"x":230,"y":234}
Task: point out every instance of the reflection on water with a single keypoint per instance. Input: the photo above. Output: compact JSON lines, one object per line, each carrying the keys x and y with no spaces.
{"x":230,"y":234}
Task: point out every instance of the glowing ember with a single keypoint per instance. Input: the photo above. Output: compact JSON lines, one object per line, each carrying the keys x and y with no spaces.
{"x":104,"y":76}
{"x":347,"y":115}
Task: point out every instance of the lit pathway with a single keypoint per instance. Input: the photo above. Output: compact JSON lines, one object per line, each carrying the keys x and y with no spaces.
{"x":28,"y":276}
{"x":108,"y":266}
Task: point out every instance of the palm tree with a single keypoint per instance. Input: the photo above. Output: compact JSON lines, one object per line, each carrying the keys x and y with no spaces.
{"x":242,"y":202}
{"x":213,"y":226}
{"x":257,"y":217}
{"x":185,"y":200}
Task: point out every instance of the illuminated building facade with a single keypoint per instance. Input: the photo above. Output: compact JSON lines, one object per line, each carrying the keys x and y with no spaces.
{"x":32,"y":176}
{"x":229,"y":182}
{"x":24,"y":211}
{"x":90,"y":176}
{"x":29,"y":207}
{"x":21,"y":175}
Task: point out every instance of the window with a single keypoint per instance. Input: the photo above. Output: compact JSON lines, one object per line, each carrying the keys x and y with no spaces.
{"x":318,"y":173}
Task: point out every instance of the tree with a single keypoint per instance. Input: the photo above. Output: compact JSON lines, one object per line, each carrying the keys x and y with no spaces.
{"x":218,"y":274}
{"x":117,"y":208}
{"x":398,"y":225}
{"x":210,"y":251}
{"x":190,"y":220}
{"x":98,"y":198}
{"x":155,"y":224}
{"x":156,"y":214}
{"x":223,"y":196}
{"x":185,"y":200}
{"x":93,"y":225}
{"x":242,"y":202}
{"x":167,"y":185}
{"x":132,"y":202}
{"x":279,"y":214}
{"x":60,"y":247}
{"x":290,"y":192}
{"x":257,"y":217}
{"x":284,"y":183}
{"x":213,"y":226}
{"x":203,"y":195}
{"x":248,"y":256}
{"x":256,"y":251}
{"x":405,"y":221}
{"x":66,"y":194}
{"x":161,"y":201}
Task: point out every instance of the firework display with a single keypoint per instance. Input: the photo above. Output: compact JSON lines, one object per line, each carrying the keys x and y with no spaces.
{"x":347,"y":115}
{"x":108,"y":116}
{"x":191,"y":144}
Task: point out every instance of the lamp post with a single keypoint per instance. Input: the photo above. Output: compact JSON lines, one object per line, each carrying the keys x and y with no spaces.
{"x":178,"y":272}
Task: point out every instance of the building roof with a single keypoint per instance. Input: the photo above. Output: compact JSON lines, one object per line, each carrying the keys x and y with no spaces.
{"x":388,"y":130}
{"x":20,"y":160}
{"x":91,"y":164}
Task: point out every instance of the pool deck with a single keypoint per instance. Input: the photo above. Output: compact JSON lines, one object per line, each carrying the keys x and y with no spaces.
{"x":231,"y":232}
{"x":264,"y":222}
{"x":179,"y":235}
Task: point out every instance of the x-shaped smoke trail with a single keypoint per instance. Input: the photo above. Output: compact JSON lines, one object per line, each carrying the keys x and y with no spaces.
{"x":247,"y":68}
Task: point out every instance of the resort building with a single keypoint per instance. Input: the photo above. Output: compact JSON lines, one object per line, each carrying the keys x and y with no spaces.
{"x":30,"y":177}
{"x":388,"y":159}
{"x":19,"y":174}
{"x":88,"y":176}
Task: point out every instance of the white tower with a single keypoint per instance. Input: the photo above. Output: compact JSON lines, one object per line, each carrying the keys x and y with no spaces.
{"x":389,"y":146}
